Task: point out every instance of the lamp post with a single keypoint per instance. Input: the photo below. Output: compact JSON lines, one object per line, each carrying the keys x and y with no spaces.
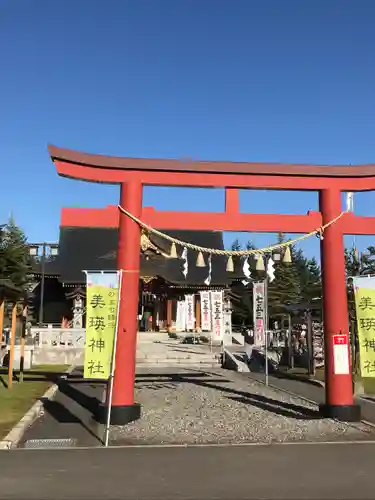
{"x":45,"y":250}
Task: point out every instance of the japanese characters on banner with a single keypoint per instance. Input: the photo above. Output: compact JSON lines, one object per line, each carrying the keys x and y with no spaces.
{"x":364,"y":292}
{"x":217,"y":315}
{"x":227,"y":316}
{"x":259,"y":313}
{"x":101,"y":319}
{"x":181,"y":315}
{"x":205,"y":311}
{"x":190,"y":319}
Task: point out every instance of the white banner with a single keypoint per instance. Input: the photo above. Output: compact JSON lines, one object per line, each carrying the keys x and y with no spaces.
{"x":217,"y":315}
{"x":180,"y":316}
{"x":205,"y":311}
{"x":227,"y":338}
{"x":259,"y":313}
{"x":190,"y":319}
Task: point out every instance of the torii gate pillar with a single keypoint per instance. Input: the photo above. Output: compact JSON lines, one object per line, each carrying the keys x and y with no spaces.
{"x":338,"y":385}
{"x":124,"y":409}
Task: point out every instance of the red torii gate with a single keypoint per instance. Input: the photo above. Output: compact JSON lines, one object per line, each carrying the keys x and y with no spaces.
{"x":133,"y":173}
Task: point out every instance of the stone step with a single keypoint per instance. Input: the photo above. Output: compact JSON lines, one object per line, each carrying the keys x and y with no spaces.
{"x":151,"y":337}
{"x":174,"y":355}
{"x":179,"y":363}
{"x":159,"y":359}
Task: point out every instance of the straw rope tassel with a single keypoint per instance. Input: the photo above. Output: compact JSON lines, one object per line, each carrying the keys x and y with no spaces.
{"x":233,"y":253}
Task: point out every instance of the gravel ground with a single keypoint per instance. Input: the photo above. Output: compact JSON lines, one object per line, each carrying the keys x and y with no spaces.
{"x":220,"y":407}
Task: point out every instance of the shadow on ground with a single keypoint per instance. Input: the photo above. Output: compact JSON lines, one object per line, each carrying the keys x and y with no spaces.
{"x":74,"y":411}
{"x":76,"y":389}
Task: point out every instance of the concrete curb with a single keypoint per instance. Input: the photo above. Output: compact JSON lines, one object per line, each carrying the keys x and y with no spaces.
{"x":15,"y":435}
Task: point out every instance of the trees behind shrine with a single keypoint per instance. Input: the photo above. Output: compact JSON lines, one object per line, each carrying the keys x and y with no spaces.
{"x":14,"y":254}
{"x":298,"y":284}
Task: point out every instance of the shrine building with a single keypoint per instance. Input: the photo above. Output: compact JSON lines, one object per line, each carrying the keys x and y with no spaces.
{"x":88,"y":242}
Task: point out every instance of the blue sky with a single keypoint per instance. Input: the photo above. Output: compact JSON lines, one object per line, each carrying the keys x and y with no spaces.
{"x":266,"y":80}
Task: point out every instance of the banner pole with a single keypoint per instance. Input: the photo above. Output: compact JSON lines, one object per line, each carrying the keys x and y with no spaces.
{"x":266,"y":327}
{"x":113,"y":367}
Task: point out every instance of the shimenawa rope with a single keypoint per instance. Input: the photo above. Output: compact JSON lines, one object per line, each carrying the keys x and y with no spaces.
{"x":233,"y":253}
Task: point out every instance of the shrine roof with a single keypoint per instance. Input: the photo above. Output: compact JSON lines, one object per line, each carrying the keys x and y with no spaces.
{"x":95,"y":249}
{"x":217,"y":167}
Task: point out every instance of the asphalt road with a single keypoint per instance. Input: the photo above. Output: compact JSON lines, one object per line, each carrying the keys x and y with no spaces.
{"x":299,"y":471}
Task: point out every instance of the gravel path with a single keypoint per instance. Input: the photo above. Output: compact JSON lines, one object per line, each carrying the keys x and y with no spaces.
{"x":220,"y":407}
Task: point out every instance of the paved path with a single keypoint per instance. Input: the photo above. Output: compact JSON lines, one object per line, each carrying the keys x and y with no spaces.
{"x":190,"y":406}
{"x":70,"y":414}
{"x":326,"y":471}
{"x":313,"y":392}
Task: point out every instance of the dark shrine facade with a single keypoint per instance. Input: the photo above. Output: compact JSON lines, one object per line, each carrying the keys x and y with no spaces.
{"x":131,"y":174}
{"x":88,"y":241}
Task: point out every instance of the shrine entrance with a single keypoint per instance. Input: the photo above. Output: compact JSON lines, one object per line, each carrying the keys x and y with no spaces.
{"x":330,"y":223}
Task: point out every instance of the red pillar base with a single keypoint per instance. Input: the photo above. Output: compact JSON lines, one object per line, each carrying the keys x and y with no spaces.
{"x":120,"y":415}
{"x":343,"y":413}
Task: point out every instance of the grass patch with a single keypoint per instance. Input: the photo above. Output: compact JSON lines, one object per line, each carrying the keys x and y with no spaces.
{"x":15,"y":402}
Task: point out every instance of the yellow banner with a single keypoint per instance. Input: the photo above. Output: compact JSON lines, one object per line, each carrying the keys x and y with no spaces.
{"x":365,"y":307}
{"x":101,"y":314}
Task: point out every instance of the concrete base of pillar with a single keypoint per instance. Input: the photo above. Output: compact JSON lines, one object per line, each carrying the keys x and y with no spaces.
{"x":343,"y":413}
{"x":120,"y":415}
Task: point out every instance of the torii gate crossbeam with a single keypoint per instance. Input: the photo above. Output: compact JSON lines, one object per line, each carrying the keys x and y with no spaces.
{"x":132,"y":174}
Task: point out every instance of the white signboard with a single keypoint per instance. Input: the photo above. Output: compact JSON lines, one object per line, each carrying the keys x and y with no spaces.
{"x":259,"y":313}
{"x":217,"y":315}
{"x":190,"y":320}
{"x":227,"y":339}
{"x":341,"y":355}
{"x":181,"y":315}
{"x":205,"y":311}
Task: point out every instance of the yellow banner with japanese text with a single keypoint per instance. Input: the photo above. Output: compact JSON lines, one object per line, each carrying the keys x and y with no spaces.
{"x":101,"y":316}
{"x":365,"y":308}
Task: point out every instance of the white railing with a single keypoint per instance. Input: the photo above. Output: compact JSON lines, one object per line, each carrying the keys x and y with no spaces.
{"x":59,"y":337}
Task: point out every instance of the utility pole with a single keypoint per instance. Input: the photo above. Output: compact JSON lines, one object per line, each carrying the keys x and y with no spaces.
{"x":42,"y":283}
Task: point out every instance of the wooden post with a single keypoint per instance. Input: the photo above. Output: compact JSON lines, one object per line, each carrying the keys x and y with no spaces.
{"x":2,"y":304}
{"x":198,"y":322}
{"x":12,"y":344}
{"x":169,"y":315}
{"x":22,"y":344}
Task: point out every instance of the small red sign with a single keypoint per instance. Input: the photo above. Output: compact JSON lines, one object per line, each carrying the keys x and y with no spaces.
{"x":340,"y":339}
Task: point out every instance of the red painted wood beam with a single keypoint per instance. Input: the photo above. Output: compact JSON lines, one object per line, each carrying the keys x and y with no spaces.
{"x":105,"y":162}
{"x":90,"y":217}
{"x":203,"y":221}
{"x":208,"y":221}
{"x":232,"y":200}
{"x":196,"y":179}
{"x":267,"y":223}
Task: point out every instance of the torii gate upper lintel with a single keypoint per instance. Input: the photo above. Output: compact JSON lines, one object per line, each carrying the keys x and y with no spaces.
{"x":133,"y":173}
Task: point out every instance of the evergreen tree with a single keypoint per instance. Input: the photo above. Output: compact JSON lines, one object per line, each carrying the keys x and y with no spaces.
{"x":242,"y":296}
{"x":284,"y":291}
{"x":294,"y":284}
{"x":2,"y":253}
{"x":314,"y":280}
{"x":309,"y":277}
{"x":15,"y":259}
{"x":236,"y":245}
{"x":250,"y":245}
